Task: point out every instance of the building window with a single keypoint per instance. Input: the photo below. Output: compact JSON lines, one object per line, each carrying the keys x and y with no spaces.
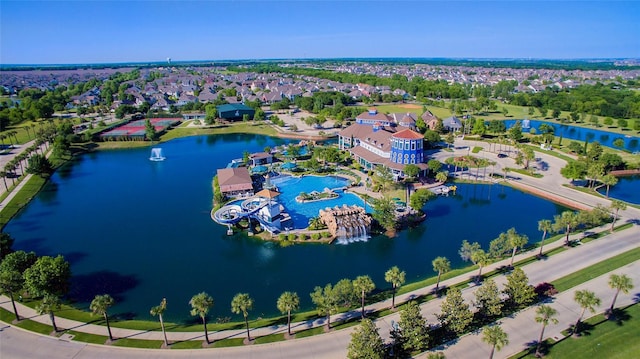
{"x":406,"y":145}
{"x":413,"y":145}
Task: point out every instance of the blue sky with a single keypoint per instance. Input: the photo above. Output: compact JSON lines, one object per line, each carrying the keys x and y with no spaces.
{"x":87,"y":31}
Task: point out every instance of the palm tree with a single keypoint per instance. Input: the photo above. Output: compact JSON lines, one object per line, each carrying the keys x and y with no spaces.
{"x":200,"y":305}
{"x":442,"y":176}
{"x":545,"y":226}
{"x":616,"y":205}
{"x":481,"y":258}
{"x":4,"y":174}
{"x":396,"y":277}
{"x":440,"y":265}
{"x":621,"y":283}
{"x":287,"y":302}
{"x":50,"y":303}
{"x":364,"y":285}
{"x":568,"y":220}
{"x":159,"y":310}
{"x":587,"y":300}
{"x":99,"y":305}
{"x":496,"y":337}
{"x":609,"y":180}
{"x":242,"y":303}
{"x":544,"y":315}
{"x":515,"y":241}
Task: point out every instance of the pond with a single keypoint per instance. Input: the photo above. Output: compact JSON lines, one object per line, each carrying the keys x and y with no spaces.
{"x":141,"y":230}
{"x":631,"y":141}
{"x":627,"y":189}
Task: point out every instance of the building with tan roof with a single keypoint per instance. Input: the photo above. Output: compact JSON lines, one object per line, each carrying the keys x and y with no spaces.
{"x":378,"y":140}
{"x":235,"y":182}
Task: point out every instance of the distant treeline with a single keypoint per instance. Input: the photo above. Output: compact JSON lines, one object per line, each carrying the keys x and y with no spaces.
{"x":607,"y":64}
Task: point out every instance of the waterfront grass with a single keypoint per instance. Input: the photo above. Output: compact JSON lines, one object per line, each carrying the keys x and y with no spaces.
{"x":617,"y":339}
{"x":596,"y":270}
{"x":21,"y":199}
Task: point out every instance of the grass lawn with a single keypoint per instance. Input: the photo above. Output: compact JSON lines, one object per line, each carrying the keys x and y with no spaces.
{"x":596,"y":270}
{"x":400,"y":108}
{"x":603,"y":339}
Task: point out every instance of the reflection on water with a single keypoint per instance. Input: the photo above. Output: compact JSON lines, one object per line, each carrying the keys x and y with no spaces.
{"x":127,"y":220}
{"x":627,"y":189}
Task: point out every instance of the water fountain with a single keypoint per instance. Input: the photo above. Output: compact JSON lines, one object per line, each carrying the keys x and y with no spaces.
{"x":156,"y":154}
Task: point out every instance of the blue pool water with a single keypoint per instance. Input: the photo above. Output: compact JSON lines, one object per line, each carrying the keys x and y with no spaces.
{"x":631,"y":141}
{"x":301,"y":213}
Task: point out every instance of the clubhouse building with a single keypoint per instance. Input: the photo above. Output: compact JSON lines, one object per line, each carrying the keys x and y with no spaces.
{"x":377,"y":139}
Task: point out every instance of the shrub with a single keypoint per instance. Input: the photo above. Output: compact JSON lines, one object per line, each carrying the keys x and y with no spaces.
{"x":315,"y":236}
{"x":282,"y":236}
{"x":291,"y":237}
{"x":326,"y":234}
{"x":545,"y":289}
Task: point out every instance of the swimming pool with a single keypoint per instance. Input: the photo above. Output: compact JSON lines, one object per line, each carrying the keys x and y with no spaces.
{"x":290,"y":187}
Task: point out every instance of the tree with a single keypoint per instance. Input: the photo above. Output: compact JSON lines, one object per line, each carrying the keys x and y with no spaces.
{"x":242,"y":303}
{"x":496,"y":337}
{"x":455,"y":313}
{"x":159,"y":311}
{"x":467,"y":249}
{"x":488,"y":299}
{"x":515,"y":132}
{"x":481,"y":259}
{"x":397,"y":278}
{"x":587,"y":300}
{"x":616,"y":205}
{"x":99,"y":305}
{"x":326,"y":301}
{"x":518,"y":290}
{"x":442,"y":176}
{"x":434,"y":165}
{"x":150,"y":131}
{"x":364,"y":285}
{"x":11,"y":282}
{"x":6,"y":242}
{"x":574,"y":170}
{"x":449,"y":139}
{"x":479,"y":128}
{"x":384,"y":177}
{"x":383,"y":212}
{"x":411,"y":170}
{"x":566,"y":221}
{"x":48,"y":276}
{"x":49,"y":304}
{"x":441,"y":265}
{"x":201,"y":303}
{"x":516,"y":241}
{"x":420,"y":197}
{"x":545,"y":226}
{"x":366,"y":342}
{"x":621,"y":283}
{"x":609,"y":180}
{"x":545,"y":315}
{"x":413,"y":331}
{"x":39,"y":165}
{"x":288,"y":302}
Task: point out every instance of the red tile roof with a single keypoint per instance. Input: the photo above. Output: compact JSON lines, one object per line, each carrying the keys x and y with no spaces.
{"x":407,"y":135}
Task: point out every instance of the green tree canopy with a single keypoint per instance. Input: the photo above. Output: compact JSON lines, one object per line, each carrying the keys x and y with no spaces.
{"x":366,"y":342}
{"x":48,"y":275}
{"x":455,"y":314}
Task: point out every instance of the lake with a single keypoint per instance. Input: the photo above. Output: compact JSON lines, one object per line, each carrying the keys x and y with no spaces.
{"x":568,"y":132}
{"x":141,"y":230}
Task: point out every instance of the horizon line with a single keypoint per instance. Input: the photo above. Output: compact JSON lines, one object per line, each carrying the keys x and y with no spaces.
{"x":364,"y":59}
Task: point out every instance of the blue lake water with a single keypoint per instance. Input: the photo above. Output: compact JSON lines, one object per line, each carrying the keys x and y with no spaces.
{"x":631,"y":141}
{"x":141,"y":230}
{"x":627,"y":189}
